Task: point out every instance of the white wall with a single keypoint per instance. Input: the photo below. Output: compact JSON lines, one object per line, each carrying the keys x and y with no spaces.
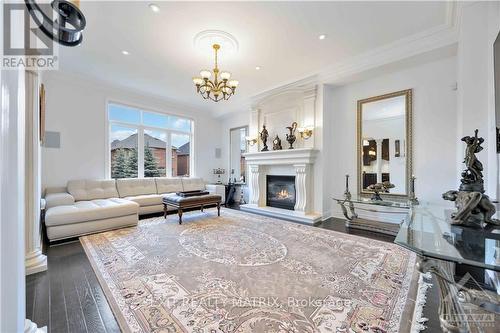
{"x":76,"y":107}
{"x":434,"y":127}
{"x":480,"y":24}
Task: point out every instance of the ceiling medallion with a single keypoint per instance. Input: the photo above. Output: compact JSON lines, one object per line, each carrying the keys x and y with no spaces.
{"x":218,"y":89}
{"x":206,"y":38}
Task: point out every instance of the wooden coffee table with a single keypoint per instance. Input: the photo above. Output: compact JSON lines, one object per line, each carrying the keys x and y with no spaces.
{"x":182,"y":203}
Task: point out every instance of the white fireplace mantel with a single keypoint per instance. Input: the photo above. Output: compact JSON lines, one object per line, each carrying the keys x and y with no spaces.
{"x":299,"y":162}
{"x":282,"y":157}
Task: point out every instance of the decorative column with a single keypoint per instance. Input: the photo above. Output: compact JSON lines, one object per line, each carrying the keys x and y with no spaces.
{"x":307,"y":118}
{"x":254,"y":185}
{"x":253,"y":129}
{"x":379,"y":160}
{"x":35,"y":260}
{"x":301,"y":187}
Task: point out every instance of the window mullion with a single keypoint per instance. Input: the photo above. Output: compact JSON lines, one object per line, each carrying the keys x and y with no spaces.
{"x":168,"y":151}
{"x":140,"y":152}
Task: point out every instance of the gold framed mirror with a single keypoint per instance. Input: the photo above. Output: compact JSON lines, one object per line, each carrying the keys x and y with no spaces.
{"x":384,"y":142}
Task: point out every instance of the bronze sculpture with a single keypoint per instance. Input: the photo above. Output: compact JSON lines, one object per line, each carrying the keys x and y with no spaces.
{"x":472,"y":177}
{"x":379,"y":188}
{"x":474,"y":208}
{"x":277,"y":143}
{"x":263,"y":136}
{"x":290,"y":137}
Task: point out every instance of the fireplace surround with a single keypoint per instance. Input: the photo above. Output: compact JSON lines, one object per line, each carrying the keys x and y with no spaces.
{"x":296,"y":163}
{"x":280,"y":191}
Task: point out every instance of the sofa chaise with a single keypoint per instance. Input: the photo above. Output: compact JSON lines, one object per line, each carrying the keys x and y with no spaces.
{"x":89,"y":206}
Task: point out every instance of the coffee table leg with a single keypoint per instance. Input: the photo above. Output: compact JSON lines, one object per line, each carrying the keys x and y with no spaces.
{"x":218,"y":208}
{"x":164,"y":211}
{"x":201,"y":208}
{"x":179,"y":211}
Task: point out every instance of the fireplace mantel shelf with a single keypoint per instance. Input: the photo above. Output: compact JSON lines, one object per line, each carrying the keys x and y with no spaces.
{"x":285,"y":156}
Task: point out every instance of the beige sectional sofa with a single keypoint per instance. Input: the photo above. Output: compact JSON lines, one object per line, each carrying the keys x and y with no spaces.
{"x":89,"y":206}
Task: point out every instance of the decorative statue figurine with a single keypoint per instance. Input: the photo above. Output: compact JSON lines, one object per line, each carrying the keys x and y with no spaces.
{"x":472,"y":177}
{"x":277,"y":143}
{"x":263,"y":136}
{"x":379,"y":188}
{"x":291,"y":136}
{"x":474,"y":208}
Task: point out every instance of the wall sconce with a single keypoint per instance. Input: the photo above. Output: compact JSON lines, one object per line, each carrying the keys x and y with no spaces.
{"x":305,"y":132}
{"x":251,"y":141}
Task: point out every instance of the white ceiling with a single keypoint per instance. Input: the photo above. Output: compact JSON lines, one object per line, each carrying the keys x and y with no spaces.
{"x":281,"y":37}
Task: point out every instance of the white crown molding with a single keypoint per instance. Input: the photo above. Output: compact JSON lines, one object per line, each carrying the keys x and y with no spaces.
{"x":436,"y":38}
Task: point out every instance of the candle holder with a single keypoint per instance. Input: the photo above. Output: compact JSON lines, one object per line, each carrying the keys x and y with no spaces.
{"x":412,"y":197}
{"x":347,"y":193}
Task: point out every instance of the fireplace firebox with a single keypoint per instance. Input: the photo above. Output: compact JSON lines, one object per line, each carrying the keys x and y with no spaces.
{"x":280,"y":192}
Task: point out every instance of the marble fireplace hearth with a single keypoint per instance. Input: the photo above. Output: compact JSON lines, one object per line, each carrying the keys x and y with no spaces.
{"x":289,"y":162}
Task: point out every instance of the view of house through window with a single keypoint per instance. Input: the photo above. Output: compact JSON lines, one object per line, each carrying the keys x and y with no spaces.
{"x":181,"y":156}
{"x":142,"y":143}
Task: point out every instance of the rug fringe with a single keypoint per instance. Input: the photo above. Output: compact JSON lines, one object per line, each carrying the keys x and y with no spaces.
{"x":418,"y":323}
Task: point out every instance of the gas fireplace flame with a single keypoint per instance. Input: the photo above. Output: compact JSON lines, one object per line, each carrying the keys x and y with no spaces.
{"x":283,"y":194}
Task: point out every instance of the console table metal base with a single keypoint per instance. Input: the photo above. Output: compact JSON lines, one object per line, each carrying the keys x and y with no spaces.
{"x":375,"y":226}
{"x":461,"y":310}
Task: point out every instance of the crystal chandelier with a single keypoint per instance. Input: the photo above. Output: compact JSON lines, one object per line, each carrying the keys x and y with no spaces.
{"x":218,"y":89}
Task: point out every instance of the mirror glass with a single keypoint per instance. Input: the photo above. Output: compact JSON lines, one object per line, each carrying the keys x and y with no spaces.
{"x":384,"y":142}
{"x":238,"y":146}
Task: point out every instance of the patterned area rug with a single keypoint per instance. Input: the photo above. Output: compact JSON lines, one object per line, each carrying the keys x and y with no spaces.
{"x":247,"y":273}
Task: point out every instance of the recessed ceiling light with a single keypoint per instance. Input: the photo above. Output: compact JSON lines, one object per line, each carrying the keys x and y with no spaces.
{"x":257,"y":68}
{"x":124,"y":52}
{"x":321,"y":37}
{"x":154,"y":7}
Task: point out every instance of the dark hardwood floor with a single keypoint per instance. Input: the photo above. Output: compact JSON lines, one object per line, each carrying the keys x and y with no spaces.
{"x":68,"y":297}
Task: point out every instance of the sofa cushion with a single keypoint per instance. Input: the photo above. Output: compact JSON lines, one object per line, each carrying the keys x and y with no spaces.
{"x":88,"y":189}
{"x":82,"y":211}
{"x":135,"y":186}
{"x":193,"y":184}
{"x":146,"y":199}
{"x":168,"y":185}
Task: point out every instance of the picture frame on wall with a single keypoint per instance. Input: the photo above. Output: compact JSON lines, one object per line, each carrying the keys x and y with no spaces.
{"x":42,"y":114}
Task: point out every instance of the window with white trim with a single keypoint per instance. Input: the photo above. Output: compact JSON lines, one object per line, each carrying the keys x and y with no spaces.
{"x":143,"y":143}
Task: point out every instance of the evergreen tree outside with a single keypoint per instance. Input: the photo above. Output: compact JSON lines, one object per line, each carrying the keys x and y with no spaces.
{"x":119,"y":165}
{"x":150,"y":165}
{"x":131,"y":165}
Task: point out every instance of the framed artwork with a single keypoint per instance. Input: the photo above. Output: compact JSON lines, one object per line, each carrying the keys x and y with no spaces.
{"x":42,"y":113}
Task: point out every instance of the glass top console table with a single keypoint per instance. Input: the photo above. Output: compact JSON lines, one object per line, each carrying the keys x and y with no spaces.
{"x":383,"y":216}
{"x":465,"y":305}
